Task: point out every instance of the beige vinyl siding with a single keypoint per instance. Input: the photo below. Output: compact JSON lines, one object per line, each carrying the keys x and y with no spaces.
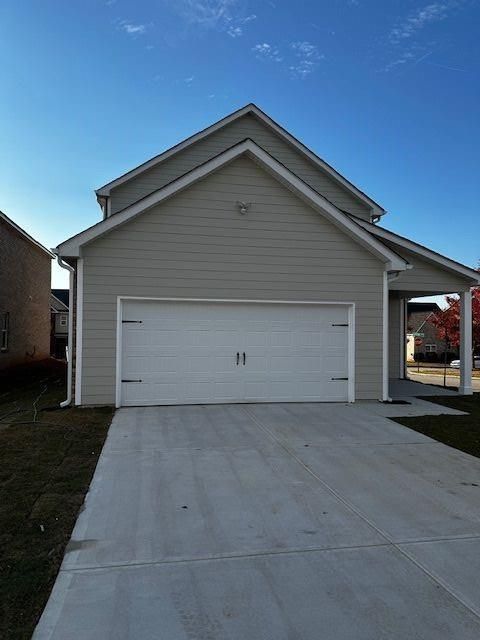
{"x":394,"y":337}
{"x":425,"y":278}
{"x":246,"y":127}
{"x":198,"y":245}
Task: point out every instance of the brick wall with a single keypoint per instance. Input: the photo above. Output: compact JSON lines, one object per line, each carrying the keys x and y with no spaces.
{"x":25,"y":274}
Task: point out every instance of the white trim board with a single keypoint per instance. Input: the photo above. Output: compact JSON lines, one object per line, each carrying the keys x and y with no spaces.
{"x":350,"y":345}
{"x":436,"y":258}
{"x":249,"y":109}
{"x":72,"y":247}
{"x":385,"y":340}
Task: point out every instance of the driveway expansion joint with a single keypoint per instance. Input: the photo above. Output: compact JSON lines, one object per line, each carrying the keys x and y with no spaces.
{"x":432,"y":576}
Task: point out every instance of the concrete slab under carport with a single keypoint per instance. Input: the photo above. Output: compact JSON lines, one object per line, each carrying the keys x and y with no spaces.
{"x":254,"y":554}
{"x":409,"y":388}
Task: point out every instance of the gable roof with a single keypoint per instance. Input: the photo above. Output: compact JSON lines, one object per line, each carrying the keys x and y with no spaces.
{"x":422,"y":307}
{"x":249,"y":109}
{"x":23,"y":233}
{"x":57,"y":305}
{"x":72,"y":247}
{"x":424,"y":252}
{"x":62,"y":295}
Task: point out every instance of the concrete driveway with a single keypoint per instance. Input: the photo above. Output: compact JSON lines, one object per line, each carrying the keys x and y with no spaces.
{"x":287,"y":521}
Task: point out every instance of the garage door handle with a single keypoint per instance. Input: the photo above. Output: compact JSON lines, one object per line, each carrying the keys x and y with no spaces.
{"x":238,"y":358}
{"x":132,"y":380}
{"x":244,"y":358}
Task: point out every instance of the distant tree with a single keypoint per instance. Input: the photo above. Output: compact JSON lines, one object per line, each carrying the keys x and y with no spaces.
{"x":447,"y":321}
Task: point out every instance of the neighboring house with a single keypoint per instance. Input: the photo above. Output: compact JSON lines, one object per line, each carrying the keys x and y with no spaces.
{"x":240,"y":267}
{"x":59,"y":301}
{"x":25,"y":268}
{"x":425,"y":344}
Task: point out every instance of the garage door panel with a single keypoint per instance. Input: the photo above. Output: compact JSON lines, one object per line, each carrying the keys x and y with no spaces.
{"x":186,"y":352}
{"x":256,"y":338}
{"x":223,"y":338}
{"x":226,"y":391}
{"x":151,"y":364}
{"x":141,"y":394}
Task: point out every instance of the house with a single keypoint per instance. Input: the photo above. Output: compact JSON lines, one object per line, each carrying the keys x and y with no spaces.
{"x":59,"y":301}
{"x":425,"y":343}
{"x":239,"y":266}
{"x":25,"y":267}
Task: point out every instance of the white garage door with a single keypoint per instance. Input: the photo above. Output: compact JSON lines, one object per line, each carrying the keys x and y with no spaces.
{"x":209,"y":352}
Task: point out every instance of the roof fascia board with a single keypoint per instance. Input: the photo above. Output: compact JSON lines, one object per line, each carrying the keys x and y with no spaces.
{"x":25,"y":234}
{"x":59,"y":302}
{"x":267,"y":121}
{"x":105,"y":190}
{"x":333,"y":173}
{"x":72,"y":247}
{"x":424,"y":252}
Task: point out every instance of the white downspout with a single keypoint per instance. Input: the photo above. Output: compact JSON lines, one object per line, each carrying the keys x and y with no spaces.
{"x":71,"y":270}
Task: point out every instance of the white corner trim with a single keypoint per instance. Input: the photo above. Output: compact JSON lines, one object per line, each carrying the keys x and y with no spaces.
{"x":385,"y":337}
{"x":350,"y":344}
{"x":351,"y":353}
{"x":424,"y":252}
{"x":118,"y":355}
{"x":79,"y":333}
{"x":267,"y":121}
{"x":72,"y":246}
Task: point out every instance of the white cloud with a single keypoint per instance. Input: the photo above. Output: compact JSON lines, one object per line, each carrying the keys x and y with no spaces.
{"x":235,"y":25}
{"x":307,"y":58}
{"x":406,"y":56}
{"x":408,"y":47}
{"x":189,"y":80}
{"x":265,"y":51}
{"x":416,"y":21}
{"x":222,"y":15}
{"x":208,"y":13}
{"x":133,"y":29}
{"x":235,"y":32}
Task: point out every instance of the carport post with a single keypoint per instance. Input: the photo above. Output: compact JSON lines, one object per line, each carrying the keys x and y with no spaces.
{"x":466,"y":343}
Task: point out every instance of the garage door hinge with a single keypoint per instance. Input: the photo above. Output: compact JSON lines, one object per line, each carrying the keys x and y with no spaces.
{"x":132,"y":380}
{"x":339,"y":378}
{"x":132,"y":321}
{"x":340,"y":325}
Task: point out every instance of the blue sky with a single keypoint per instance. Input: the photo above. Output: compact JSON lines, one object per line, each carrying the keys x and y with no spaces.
{"x":387,"y":92}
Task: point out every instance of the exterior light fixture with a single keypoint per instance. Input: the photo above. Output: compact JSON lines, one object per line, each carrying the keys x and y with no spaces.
{"x":243,"y":207}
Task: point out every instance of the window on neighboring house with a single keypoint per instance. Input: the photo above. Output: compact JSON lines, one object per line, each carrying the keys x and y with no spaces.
{"x":4,"y":326}
{"x":63,"y":321}
{"x":430,"y":348}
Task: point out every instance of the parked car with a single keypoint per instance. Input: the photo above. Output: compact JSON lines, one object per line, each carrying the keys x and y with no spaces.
{"x":455,"y":364}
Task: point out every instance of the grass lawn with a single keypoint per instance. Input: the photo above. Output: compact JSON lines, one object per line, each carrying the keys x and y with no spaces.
{"x":47,"y":459}
{"x":460,"y":432}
